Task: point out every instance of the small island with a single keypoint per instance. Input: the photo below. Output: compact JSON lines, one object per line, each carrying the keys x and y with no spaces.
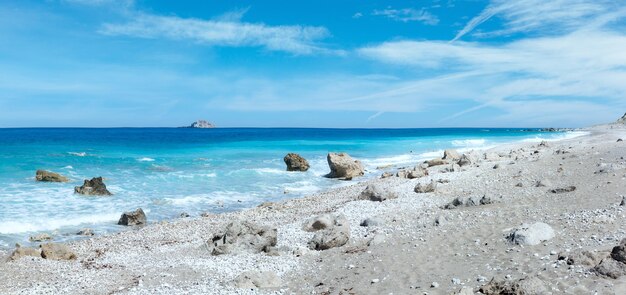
{"x":200,"y":124}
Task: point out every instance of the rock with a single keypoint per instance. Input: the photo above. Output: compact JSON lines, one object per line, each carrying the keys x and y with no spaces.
{"x":369,"y":222}
{"x":47,"y":176}
{"x":386,"y":175}
{"x":496,"y":166}
{"x":519,"y":184}
{"x":619,"y":252}
{"x":85,"y":232}
{"x":465,"y":291}
{"x":434,"y":285}
{"x":335,"y":236}
{"x":244,"y":236}
{"x":623,"y":202}
{"x":295,"y":162}
{"x":525,"y":286}
{"x":377,"y":239}
{"x":137,"y":217}
{"x":258,"y":280}
{"x":622,"y":120}
{"x":425,"y":188}
{"x":544,"y":143}
{"x":619,"y":140}
{"x":184,"y":215}
{"x":454,"y":167}
{"x":55,"y":251}
{"x":402,"y":174}
{"x":543,"y":183}
{"x":531,"y":234}
{"x":343,"y":166}
{"x":93,"y":187}
{"x":436,"y":162}
{"x":20,"y":252}
{"x":611,"y":268}
{"x":581,"y":257}
{"x":200,"y":124}
{"x":40,"y":237}
{"x":320,"y":222}
{"x":440,"y":220}
{"x":563,"y":190}
{"x":456,"y":281}
{"x":375,"y":192}
{"x":468,"y":202}
{"x":451,"y":155}
{"x":417,"y":172}
{"x":464,"y":160}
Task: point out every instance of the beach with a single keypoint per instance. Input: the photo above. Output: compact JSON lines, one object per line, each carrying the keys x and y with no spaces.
{"x":415,"y":243}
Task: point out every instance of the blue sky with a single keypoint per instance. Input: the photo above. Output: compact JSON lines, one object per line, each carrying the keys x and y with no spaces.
{"x":430,"y":63}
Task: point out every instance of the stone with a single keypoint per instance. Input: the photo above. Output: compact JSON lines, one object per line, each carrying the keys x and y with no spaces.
{"x":468,"y":202}
{"x":201,"y":124}
{"x":243,"y":236}
{"x":465,"y":291}
{"x":335,"y":236}
{"x":531,"y":234}
{"x":567,"y":189}
{"x":320,"y":222}
{"x":47,"y":176}
{"x":454,"y":167}
{"x":258,"y":280}
{"x":137,"y":217}
{"x":93,"y":187}
{"x":623,"y":202}
{"x":611,"y":268}
{"x":581,"y":257}
{"x":417,"y":172}
{"x":619,"y":252}
{"x":436,"y":162}
{"x":619,"y":140}
{"x":377,"y":239}
{"x":55,"y":251}
{"x":386,"y":174}
{"x":85,"y":232}
{"x":440,"y":220}
{"x":525,"y":286}
{"x":20,"y":252}
{"x":375,"y":192}
{"x":369,"y":222}
{"x":622,"y":120}
{"x":184,"y":215}
{"x":40,"y":237}
{"x":343,"y":166}
{"x":543,"y":183}
{"x":544,"y":143}
{"x":451,"y":155}
{"x":296,"y":162}
{"x":425,"y":188}
{"x":464,"y":160}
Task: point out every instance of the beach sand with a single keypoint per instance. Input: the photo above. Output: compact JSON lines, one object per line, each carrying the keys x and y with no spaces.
{"x":407,"y":253}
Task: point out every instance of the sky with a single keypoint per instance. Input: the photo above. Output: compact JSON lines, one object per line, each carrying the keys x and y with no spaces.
{"x":344,"y":64}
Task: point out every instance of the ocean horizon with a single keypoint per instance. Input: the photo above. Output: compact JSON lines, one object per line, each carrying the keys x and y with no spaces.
{"x":170,"y":171}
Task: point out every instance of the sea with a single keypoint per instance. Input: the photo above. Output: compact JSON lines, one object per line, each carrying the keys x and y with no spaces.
{"x":168,"y":171}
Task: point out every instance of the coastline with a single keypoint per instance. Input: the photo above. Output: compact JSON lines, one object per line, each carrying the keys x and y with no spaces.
{"x":172,"y":257}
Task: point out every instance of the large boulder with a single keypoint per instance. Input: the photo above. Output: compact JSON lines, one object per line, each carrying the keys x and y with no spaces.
{"x":93,"y":187}
{"x":375,"y":192}
{"x":244,"y":236}
{"x":336,"y":235}
{"x":531,"y":234}
{"x":619,"y":252}
{"x":55,"y":251}
{"x":320,"y":222}
{"x":613,"y":266}
{"x":451,"y":155}
{"x":425,"y":188}
{"x":296,"y":162}
{"x":436,"y":162}
{"x":137,"y":217}
{"x":20,"y":252}
{"x":465,"y":160}
{"x":257,"y":280}
{"x":47,"y":176}
{"x":343,"y":166}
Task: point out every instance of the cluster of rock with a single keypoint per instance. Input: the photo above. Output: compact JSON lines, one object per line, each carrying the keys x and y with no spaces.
{"x":243,"y":236}
{"x":52,"y":251}
{"x":468,"y":202}
{"x":614,"y":265}
{"x":377,"y":193}
{"x":330,"y":231}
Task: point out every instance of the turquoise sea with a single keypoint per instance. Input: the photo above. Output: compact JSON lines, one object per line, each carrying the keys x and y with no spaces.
{"x":167,"y":171}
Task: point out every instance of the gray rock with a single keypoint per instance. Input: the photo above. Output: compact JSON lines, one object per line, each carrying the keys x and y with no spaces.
{"x":426,"y":188}
{"x":320,"y":222}
{"x":611,"y":268}
{"x":296,"y":162}
{"x":622,"y":120}
{"x":468,"y":202}
{"x":93,"y":187}
{"x":465,"y":291}
{"x":543,"y":183}
{"x":531,"y":234}
{"x":440,"y":220}
{"x":417,"y":172}
{"x":451,"y":155}
{"x":258,"y":280}
{"x":343,"y":166}
{"x":40,"y":237}
{"x":436,"y":162}
{"x":137,"y":217}
{"x":243,"y":236}
{"x":386,"y":175}
{"x":20,"y":252}
{"x":47,"y":176}
{"x":581,"y":257}
{"x":334,"y":236}
{"x":619,"y":252}
{"x":375,"y":192}
{"x":465,"y":160}
{"x":55,"y":251}
{"x":369,"y":222}
{"x":563,"y":190}
{"x":85,"y":232}
{"x":377,"y":239}
{"x":525,"y":286}
{"x":623,"y":202}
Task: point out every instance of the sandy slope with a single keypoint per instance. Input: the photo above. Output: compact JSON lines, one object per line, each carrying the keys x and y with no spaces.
{"x":411,"y":252}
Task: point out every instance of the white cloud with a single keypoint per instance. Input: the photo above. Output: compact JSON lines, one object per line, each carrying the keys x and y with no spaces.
{"x":555,"y":16}
{"x":408,"y":14}
{"x":224,"y":31}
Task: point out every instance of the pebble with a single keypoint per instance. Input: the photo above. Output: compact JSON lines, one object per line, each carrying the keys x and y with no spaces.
{"x":434,"y":285}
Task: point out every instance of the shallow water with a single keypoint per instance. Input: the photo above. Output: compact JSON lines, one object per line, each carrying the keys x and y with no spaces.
{"x":167,"y":171}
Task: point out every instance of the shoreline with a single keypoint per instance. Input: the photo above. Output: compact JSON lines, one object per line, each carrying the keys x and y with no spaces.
{"x":178,"y":247}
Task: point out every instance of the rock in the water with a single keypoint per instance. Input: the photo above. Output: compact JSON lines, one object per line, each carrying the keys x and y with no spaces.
{"x":93,"y":187}
{"x":244,"y":236}
{"x":296,"y":162}
{"x":137,"y":217}
{"x":561,"y":190}
{"x":531,"y":234}
{"x":85,"y":232}
{"x":335,"y":236}
{"x":375,"y":192}
{"x":23,"y":252}
{"x":451,"y":155}
{"x":343,"y":166}
{"x":201,"y":124}
{"x":55,"y":251}
{"x":425,"y":188}
{"x":40,"y":237}
{"x":257,"y":280}
{"x":47,"y":176}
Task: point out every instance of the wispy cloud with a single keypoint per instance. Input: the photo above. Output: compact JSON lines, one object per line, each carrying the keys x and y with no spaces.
{"x":557,"y":16}
{"x":226,"y":30}
{"x":408,"y":14}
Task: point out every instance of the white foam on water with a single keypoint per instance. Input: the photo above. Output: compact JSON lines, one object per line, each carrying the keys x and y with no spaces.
{"x":78,"y":154}
{"x":68,"y":167}
{"x":49,"y":224}
{"x":145,"y":159}
{"x":270,"y":171}
{"x":469,"y":142}
{"x":210,"y":175}
{"x":387,"y":161}
{"x":562,"y":136}
{"x":187,"y":200}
